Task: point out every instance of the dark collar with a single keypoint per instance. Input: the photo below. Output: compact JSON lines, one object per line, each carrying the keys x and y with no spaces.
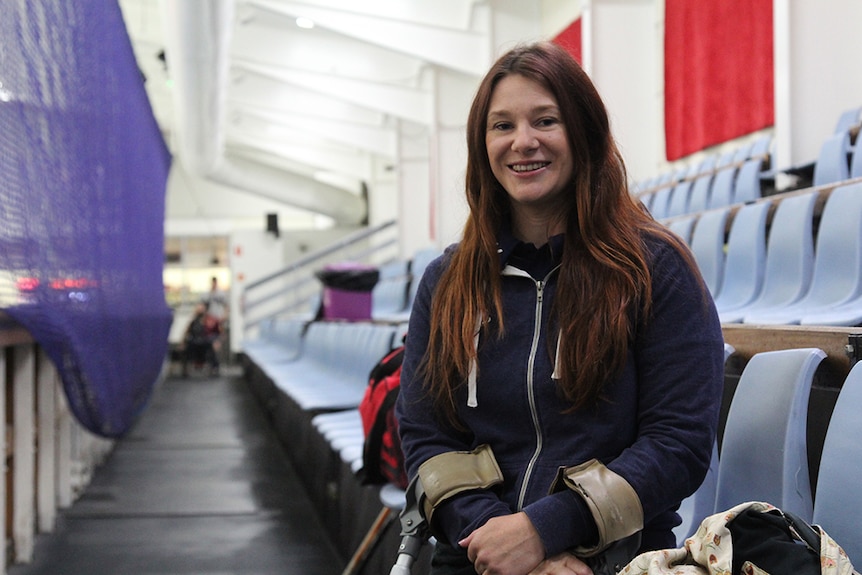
{"x":538,"y":262}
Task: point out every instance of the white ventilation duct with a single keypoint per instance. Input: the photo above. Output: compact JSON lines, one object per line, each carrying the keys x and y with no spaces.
{"x":197,"y":36}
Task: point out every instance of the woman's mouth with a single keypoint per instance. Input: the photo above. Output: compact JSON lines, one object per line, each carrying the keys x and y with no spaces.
{"x":531,"y":167}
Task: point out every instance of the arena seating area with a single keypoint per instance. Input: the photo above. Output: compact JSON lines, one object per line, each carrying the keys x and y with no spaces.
{"x":785,"y":269}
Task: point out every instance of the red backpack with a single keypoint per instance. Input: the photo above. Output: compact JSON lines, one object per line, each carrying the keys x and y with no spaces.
{"x":382,"y":458}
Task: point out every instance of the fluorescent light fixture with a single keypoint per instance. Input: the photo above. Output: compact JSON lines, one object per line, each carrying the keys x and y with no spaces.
{"x":306,"y":23}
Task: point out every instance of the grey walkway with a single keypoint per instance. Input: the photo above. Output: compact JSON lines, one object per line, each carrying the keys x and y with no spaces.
{"x":201,"y":485}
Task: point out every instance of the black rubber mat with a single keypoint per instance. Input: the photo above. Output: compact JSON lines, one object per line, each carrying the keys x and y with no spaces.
{"x":200,"y":485}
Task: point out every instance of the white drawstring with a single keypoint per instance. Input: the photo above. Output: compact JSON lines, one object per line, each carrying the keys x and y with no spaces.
{"x":556,"y":374}
{"x":472,"y":400}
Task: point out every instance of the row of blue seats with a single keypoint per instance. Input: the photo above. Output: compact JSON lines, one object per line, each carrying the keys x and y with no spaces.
{"x":839,"y":159}
{"x":775,"y":275}
{"x":739,"y":176}
{"x":321,"y":365}
{"x":730,"y":185}
{"x":764,"y":451}
{"x":280,"y":338}
{"x":311,"y":376}
{"x":392,"y":297}
{"x":758,"y":149}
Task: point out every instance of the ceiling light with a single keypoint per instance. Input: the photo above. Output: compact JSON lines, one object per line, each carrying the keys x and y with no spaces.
{"x":306,"y":23}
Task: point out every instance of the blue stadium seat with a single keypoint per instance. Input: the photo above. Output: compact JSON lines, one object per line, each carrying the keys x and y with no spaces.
{"x":764,"y":454}
{"x":678,"y":203}
{"x":700,"y":504}
{"x":665,"y":178}
{"x":832,"y":165}
{"x":646,"y":200}
{"x":707,"y":245}
{"x":707,"y":165}
{"x":747,"y":186}
{"x":789,"y":258}
{"x":742,"y":153}
{"x":279,"y":340}
{"x":343,"y":432}
{"x":856,"y":162}
{"x":725,"y":159}
{"x":847,"y":314}
{"x":837,"y":276}
{"x":721,"y":194}
{"x":332,"y":372}
{"x":683,"y":227}
{"x":838,"y":503}
{"x":660,"y":203}
{"x":848,"y":119}
{"x":746,"y":258}
{"x":761,"y":147}
{"x":389,"y":297}
{"x":418,"y":263}
{"x":692,"y":171}
{"x":700,"y":190}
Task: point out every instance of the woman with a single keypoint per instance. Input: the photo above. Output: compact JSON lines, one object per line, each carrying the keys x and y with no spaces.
{"x":565,"y":352}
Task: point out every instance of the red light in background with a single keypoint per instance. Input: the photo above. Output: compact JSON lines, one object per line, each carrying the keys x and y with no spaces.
{"x":27,"y":284}
{"x":72,"y":283}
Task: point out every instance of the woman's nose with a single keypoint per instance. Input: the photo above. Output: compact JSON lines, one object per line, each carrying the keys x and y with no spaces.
{"x":524,"y":139}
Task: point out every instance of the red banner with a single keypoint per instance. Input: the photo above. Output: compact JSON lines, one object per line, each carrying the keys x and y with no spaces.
{"x":570,"y":39}
{"x":718,"y":72}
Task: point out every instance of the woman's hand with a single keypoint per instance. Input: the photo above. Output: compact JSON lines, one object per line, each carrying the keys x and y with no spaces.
{"x":507,"y":545}
{"x":563,"y":564}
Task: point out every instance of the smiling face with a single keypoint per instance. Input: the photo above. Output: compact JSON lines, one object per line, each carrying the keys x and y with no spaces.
{"x":528,"y":149}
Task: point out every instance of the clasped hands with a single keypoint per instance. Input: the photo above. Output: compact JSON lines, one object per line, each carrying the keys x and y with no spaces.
{"x":510,"y":545}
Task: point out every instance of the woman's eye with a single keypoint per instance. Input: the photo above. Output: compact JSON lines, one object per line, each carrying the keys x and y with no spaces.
{"x":502,"y":126}
{"x":548,"y":122}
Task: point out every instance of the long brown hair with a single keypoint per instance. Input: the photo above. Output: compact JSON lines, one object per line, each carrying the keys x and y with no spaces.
{"x":604,"y":281}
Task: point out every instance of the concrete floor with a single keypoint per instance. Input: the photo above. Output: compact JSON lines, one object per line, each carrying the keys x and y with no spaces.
{"x":200,"y":485}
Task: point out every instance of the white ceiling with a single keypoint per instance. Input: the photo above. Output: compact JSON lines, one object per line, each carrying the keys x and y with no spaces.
{"x":251,"y":102}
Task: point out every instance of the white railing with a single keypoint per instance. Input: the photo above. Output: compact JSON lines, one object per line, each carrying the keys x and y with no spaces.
{"x":50,"y":458}
{"x":288,"y":290}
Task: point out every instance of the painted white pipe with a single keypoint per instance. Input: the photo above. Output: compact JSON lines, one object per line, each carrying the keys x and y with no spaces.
{"x":198,"y":35}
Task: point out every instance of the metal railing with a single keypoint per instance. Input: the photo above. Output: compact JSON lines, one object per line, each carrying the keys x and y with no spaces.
{"x":295,"y":290}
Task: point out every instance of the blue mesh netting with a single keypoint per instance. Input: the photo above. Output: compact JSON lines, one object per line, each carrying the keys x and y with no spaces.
{"x":83,"y":170}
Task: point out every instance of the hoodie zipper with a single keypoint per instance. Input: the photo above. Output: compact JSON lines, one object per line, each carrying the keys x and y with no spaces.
{"x":531,"y":393}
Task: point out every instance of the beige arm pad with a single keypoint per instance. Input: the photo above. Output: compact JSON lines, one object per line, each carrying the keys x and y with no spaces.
{"x":447,"y":474}
{"x":613,"y":503}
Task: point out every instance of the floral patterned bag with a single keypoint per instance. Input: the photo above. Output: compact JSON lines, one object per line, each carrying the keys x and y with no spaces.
{"x":767,"y":538}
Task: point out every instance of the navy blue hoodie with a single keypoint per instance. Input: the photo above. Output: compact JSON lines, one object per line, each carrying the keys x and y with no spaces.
{"x":655,"y":425}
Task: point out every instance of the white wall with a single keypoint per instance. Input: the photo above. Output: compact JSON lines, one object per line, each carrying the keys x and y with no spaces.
{"x":253,"y":255}
{"x":415,"y":195}
{"x":558,"y":14}
{"x":454,"y":95}
{"x":822,"y":77}
{"x":199,"y":207}
{"x":627,"y":74}
{"x":383,"y":192}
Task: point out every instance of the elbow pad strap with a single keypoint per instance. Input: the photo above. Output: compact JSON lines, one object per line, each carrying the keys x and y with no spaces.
{"x":448,"y":474}
{"x":612,"y":501}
